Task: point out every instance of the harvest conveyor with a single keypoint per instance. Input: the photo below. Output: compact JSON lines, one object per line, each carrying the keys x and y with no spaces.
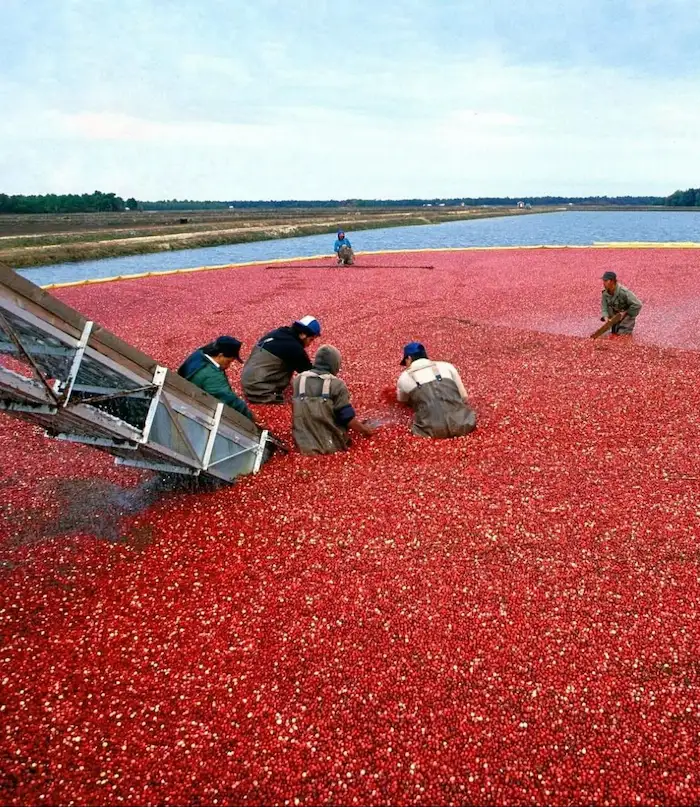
{"x":83,"y":384}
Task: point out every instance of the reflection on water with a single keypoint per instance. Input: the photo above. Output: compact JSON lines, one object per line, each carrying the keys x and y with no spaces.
{"x":530,"y":230}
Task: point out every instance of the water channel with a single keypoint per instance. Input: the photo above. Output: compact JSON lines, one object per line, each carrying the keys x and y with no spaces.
{"x":558,"y":228}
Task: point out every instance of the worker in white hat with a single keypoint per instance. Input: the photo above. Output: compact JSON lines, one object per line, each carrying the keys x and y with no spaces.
{"x":276,"y":357}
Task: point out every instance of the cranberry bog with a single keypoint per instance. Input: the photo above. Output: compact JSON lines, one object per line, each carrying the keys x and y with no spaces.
{"x":506,"y":618}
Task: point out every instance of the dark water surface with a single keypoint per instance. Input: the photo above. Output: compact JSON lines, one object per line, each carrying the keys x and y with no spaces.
{"x":560,"y":228}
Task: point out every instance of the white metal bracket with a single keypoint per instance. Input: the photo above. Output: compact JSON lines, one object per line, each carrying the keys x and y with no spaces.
{"x":158,"y":381}
{"x":260,"y":451}
{"x":77,"y":360}
{"x":212,"y":435}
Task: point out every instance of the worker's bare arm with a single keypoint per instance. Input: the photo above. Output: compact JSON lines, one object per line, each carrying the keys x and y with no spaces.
{"x":361,"y":428}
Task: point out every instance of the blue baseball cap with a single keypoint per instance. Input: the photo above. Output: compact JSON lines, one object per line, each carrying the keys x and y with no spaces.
{"x":413,"y":350}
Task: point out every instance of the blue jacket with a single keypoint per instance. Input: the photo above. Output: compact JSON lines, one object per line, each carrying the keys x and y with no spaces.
{"x":341,"y":242}
{"x":198,"y":369}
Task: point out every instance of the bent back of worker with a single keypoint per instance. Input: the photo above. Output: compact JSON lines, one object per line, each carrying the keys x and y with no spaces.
{"x":439,"y":410}
{"x":271,"y":364}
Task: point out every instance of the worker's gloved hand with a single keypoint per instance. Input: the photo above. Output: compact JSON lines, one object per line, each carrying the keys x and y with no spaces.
{"x":623,"y":315}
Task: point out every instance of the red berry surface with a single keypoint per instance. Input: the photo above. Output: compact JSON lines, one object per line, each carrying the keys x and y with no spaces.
{"x":507,"y":618}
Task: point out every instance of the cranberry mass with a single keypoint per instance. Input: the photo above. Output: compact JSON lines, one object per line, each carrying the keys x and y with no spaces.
{"x":505,"y":618}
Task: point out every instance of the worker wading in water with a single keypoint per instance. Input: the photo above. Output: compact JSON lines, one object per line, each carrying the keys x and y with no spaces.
{"x":619,"y":300}
{"x":435,"y":392}
{"x":276,"y":357}
{"x":343,"y":249}
{"x":321,"y":408}
{"x":206,"y":369}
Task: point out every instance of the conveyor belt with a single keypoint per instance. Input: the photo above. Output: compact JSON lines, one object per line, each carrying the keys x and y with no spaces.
{"x":84,"y":384}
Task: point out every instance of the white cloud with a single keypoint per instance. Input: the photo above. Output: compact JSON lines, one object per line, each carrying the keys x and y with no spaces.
{"x":456,"y":127}
{"x":206,"y":66}
{"x":125,"y":128}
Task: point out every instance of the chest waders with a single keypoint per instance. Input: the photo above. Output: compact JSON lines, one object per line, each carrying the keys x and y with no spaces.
{"x":346,"y":256}
{"x":264,"y":376}
{"x":314,"y":426}
{"x":439,"y":408}
{"x":616,"y":306}
{"x":625,"y":327}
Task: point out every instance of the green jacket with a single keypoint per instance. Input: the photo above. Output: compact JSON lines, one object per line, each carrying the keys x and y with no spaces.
{"x":622,"y":300}
{"x":206,"y":375}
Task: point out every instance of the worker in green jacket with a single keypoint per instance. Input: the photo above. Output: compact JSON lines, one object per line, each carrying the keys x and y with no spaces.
{"x":206,"y":369}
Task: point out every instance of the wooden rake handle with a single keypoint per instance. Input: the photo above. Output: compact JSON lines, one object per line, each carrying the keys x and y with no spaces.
{"x":607,"y":326}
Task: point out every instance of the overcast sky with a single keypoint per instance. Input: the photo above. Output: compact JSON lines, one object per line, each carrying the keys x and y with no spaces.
{"x":313,"y":99}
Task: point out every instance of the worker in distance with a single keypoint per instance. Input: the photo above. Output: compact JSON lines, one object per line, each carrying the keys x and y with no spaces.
{"x":435,"y":392}
{"x":343,"y":250}
{"x":275,"y":358}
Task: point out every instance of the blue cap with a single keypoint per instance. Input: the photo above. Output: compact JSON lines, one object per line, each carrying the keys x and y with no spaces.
{"x":609,"y":276}
{"x":413,"y":350}
{"x":309,"y":325}
{"x":341,"y":232}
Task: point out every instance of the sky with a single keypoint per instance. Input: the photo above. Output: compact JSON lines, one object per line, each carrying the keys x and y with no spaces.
{"x":373,"y":99}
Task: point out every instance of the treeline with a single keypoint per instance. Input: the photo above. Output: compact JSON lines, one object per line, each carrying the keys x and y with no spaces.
{"x":506,"y":201}
{"x":192,"y":204}
{"x":689,"y":198}
{"x":96,"y":202}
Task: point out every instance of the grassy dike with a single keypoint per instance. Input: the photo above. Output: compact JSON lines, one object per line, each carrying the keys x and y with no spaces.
{"x":24,"y":251}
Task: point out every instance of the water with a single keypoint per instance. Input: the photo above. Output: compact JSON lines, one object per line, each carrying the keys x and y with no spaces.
{"x":562,"y":228}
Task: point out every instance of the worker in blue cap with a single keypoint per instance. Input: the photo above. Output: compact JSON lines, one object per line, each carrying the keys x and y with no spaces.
{"x":435,"y":392}
{"x":276,"y":357}
{"x":617,"y":299}
{"x":206,"y":369}
{"x":343,"y":249}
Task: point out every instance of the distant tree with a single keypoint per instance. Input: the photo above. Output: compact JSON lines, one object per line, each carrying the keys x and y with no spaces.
{"x":62,"y":203}
{"x":131,"y":203}
{"x":687,"y":198}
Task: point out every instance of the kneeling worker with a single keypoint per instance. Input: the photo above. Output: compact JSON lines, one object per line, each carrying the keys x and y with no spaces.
{"x":206,"y":369}
{"x":276,"y":357}
{"x":434,"y":390}
{"x":322,"y":412}
{"x":343,"y":249}
{"x":619,"y":300}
